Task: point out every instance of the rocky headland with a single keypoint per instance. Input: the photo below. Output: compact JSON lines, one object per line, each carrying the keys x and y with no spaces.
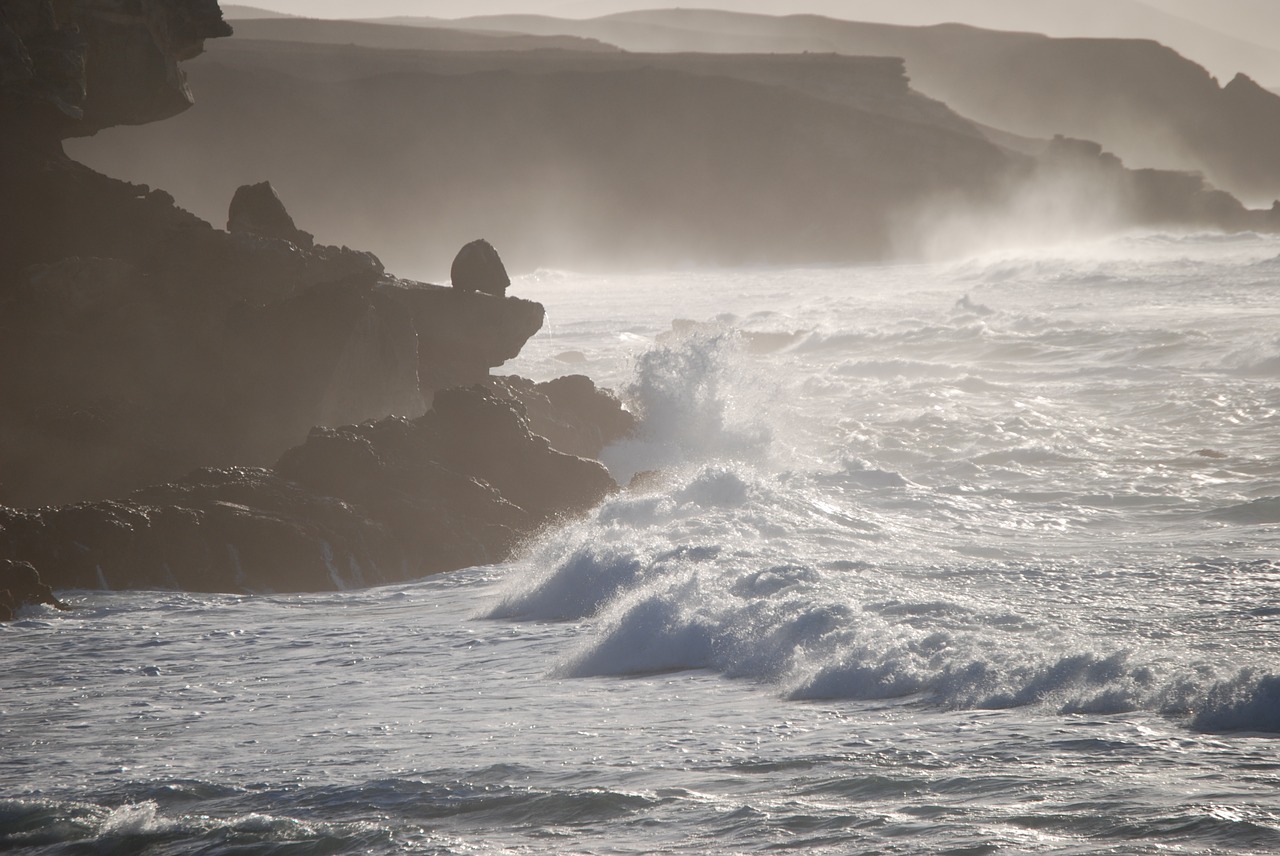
{"x":163,"y":378}
{"x":1138,"y":98}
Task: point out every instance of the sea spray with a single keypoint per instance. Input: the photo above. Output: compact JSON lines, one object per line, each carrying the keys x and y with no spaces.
{"x":750,"y":602}
{"x":698,"y":399}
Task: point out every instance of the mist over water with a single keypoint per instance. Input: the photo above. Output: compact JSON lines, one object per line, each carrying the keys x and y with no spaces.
{"x":975,"y":554}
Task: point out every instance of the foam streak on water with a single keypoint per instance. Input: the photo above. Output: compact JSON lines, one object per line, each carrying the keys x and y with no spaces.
{"x":976,"y":558}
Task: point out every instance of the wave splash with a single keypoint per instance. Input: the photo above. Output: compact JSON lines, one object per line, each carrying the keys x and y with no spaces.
{"x":736,"y":602}
{"x":697,"y":400}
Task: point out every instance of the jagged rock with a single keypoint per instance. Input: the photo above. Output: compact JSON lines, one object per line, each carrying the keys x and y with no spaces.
{"x":256,"y":209}
{"x":443,"y":518}
{"x":73,"y":67}
{"x":473,"y":453}
{"x":20,"y":585}
{"x":483,"y":435}
{"x":477,"y":267}
{"x":137,"y":343}
{"x":575,"y":415}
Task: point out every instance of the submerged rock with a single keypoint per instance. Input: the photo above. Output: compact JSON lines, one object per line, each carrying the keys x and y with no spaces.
{"x":477,"y":267}
{"x":20,"y":585}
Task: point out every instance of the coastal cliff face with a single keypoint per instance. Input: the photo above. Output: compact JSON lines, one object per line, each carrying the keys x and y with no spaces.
{"x":155,"y":368}
{"x":137,"y":342}
{"x":74,"y":67}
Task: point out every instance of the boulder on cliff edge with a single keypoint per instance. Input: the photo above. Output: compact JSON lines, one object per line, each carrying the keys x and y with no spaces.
{"x":477,"y":267}
{"x":256,"y":209}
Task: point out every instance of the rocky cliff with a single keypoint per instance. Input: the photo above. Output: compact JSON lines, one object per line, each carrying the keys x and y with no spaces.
{"x":352,"y":506}
{"x":154,"y":368}
{"x":1142,"y":100}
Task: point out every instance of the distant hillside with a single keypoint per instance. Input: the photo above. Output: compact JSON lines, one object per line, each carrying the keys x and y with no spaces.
{"x":374,"y":35}
{"x":567,"y":162}
{"x":1139,"y":99}
{"x":233,"y":12}
{"x":608,"y":160}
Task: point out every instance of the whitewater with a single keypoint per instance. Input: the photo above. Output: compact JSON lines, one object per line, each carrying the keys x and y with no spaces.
{"x":965,"y":557}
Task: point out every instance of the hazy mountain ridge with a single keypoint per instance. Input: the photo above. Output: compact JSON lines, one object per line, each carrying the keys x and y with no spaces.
{"x":1141,"y":100}
{"x":381,"y":35}
{"x":633,"y":164}
{"x":236,"y":12}
{"x":597,"y":159}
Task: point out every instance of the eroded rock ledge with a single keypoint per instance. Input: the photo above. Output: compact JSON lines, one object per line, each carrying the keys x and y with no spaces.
{"x":162,"y":378}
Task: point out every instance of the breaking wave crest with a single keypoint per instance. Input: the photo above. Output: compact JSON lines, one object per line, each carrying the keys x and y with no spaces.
{"x":710,"y":579}
{"x":834,"y":576}
{"x":695,"y":402}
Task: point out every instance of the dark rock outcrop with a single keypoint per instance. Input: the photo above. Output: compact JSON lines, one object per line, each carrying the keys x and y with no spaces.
{"x":71,"y":68}
{"x":236,"y":529}
{"x":461,"y":335}
{"x":477,"y":267}
{"x":176,"y":345}
{"x":574,"y":414}
{"x":256,"y":209}
{"x":137,"y":342}
{"x":368,"y":504}
{"x":20,"y":585}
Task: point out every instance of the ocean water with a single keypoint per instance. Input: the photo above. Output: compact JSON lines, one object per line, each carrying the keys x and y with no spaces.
{"x":970,"y":557}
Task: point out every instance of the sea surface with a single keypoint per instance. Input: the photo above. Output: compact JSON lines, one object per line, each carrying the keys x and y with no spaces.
{"x":976,"y":557}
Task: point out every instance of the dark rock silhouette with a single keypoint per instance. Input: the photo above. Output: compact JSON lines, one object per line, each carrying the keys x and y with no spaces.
{"x":148,"y":356}
{"x":83,"y":66}
{"x":571,"y":412}
{"x":477,"y":267}
{"x":138,"y":343}
{"x":20,"y":585}
{"x":369,"y":504}
{"x":461,"y":335}
{"x":256,"y":209}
